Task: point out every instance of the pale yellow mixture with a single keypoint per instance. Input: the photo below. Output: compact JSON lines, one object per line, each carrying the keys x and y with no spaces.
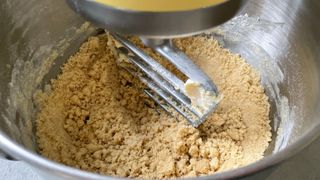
{"x":160,"y":6}
{"x":95,"y":117}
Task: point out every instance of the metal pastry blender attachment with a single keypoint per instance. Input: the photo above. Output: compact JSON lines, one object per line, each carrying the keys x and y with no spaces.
{"x":157,"y":22}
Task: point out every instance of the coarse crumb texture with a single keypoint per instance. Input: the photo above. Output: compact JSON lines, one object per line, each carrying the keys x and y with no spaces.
{"x":95,"y":117}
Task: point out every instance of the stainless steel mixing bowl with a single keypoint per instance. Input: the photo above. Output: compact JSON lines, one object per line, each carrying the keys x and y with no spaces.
{"x":281,"y":39}
{"x":156,"y":24}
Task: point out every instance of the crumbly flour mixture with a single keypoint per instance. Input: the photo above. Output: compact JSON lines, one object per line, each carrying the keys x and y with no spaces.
{"x":95,"y":117}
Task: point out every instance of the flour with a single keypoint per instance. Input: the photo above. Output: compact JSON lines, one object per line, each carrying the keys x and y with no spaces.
{"x":96,"y":118}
